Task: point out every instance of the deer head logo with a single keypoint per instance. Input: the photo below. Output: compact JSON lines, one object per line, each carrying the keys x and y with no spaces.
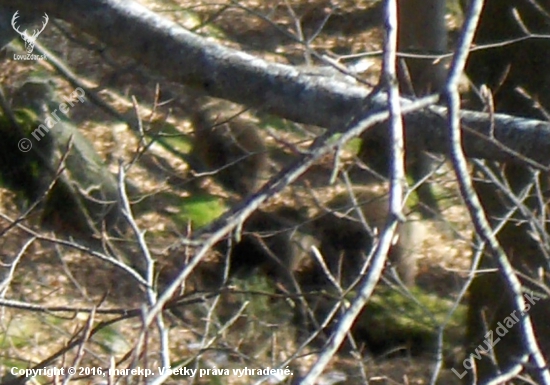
{"x":29,"y":40}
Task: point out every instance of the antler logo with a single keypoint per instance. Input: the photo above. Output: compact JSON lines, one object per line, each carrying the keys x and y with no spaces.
{"x":29,"y":40}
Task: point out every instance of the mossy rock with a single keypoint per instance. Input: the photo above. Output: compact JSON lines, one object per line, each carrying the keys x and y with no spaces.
{"x":22,"y":168}
{"x":393,"y":320}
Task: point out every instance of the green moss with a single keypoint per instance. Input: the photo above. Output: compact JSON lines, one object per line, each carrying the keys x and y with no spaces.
{"x":393,"y":319}
{"x":199,"y":209}
{"x":111,"y":340}
{"x":23,"y":172}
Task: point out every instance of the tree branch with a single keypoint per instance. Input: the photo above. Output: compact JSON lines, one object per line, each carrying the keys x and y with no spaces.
{"x":181,"y":56}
